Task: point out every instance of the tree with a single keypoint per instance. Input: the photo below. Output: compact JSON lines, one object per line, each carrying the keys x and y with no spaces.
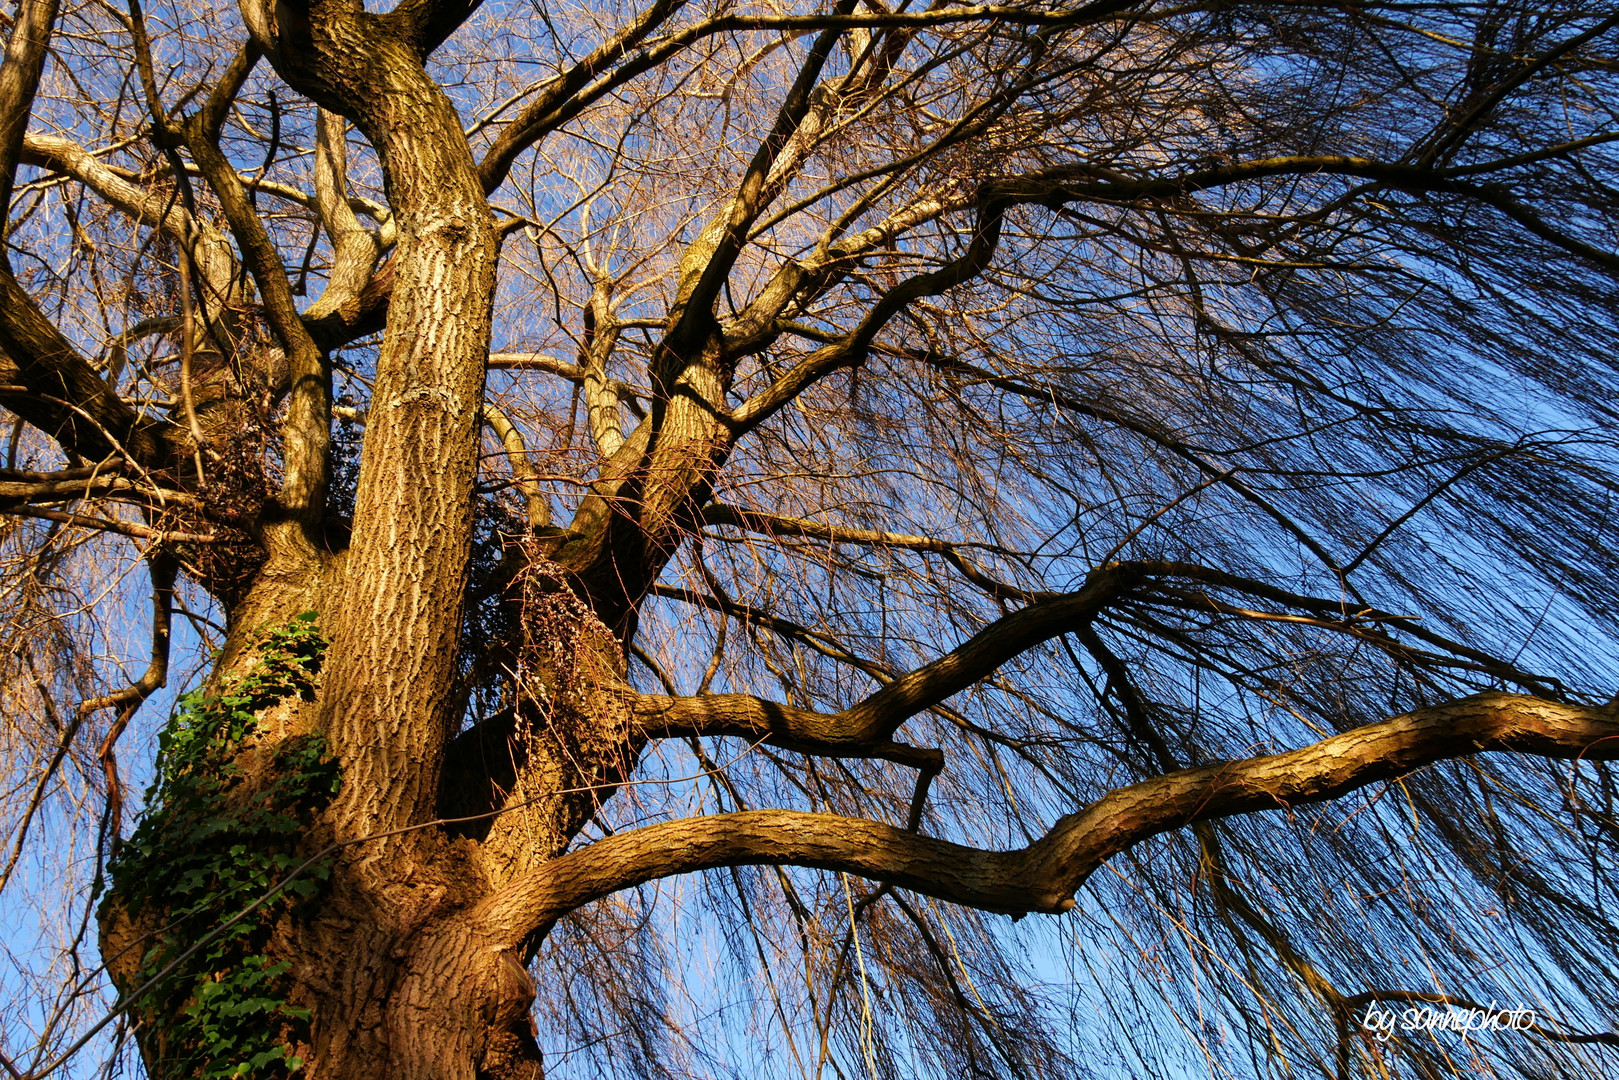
{"x":1141,"y":463}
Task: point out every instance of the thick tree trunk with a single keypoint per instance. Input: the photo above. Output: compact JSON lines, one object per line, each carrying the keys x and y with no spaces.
{"x":436,"y":1003}
{"x":394,"y":982}
{"x":386,"y":958}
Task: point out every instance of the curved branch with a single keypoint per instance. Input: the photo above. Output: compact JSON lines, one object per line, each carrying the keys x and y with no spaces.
{"x":307,"y":427}
{"x":163,"y":568}
{"x":851,"y":348}
{"x":528,"y":480}
{"x":1045,"y":875}
{"x":1054,"y":188}
{"x":549,"y":109}
{"x":355,"y":249}
{"x":747,"y":614}
{"x":1459,"y":129}
{"x":875,"y":719}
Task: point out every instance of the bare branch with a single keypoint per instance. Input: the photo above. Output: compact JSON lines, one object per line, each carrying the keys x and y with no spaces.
{"x":122,"y":528}
{"x":541,"y":115}
{"x":573,"y":92}
{"x":163,"y":568}
{"x":1061,"y":186}
{"x":875,"y":719}
{"x":307,"y":428}
{"x":19,"y":79}
{"x":1045,"y":876}
{"x":37,"y":358}
{"x":539,"y":511}
{"x":776,"y":525}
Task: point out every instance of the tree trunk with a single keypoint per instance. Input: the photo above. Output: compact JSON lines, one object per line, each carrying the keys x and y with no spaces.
{"x":385,"y":956}
{"x":393,"y":980}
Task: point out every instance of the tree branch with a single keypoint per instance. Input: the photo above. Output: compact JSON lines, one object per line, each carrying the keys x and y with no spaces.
{"x":1347,"y":616}
{"x":1054,"y":188}
{"x":354,"y":248}
{"x":108,"y":482}
{"x":431,"y":22}
{"x":163,"y":568}
{"x":747,"y":614}
{"x":1045,"y":875}
{"x":543,"y":114}
{"x":1057,"y":187}
{"x":875,"y":719}
{"x":208,"y":246}
{"x":851,"y":348}
{"x":528,"y":482}
{"x":122,"y":528}
{"x":307,"y":427}
{"x":36,"y":358}
{"x":19,"y":79}
{"x":574,"y":91}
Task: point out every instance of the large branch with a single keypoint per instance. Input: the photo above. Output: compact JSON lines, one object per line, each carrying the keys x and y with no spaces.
{"x":429,"y":23}
{"x":1045,"y":875}
{"x":306,"y":429}
{"x":64,"y":398}
{"x":19,"y":79}
{"x":19,"y":487}
{"x":58,"y":392}
{"x":387,"y":691}
{"x":874,"y":720}
{"x":523,"y":472}
{"x":354,"y":248}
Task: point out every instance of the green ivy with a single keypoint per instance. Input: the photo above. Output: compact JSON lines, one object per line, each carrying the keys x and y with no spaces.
{"x":207,"y":846}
